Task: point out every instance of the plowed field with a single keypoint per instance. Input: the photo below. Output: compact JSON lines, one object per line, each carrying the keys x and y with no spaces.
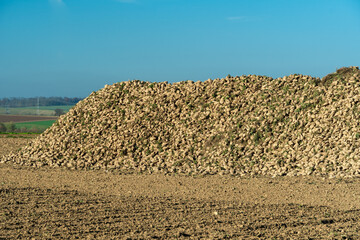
{"x":56,"y":203}
{"x":22,"y":118}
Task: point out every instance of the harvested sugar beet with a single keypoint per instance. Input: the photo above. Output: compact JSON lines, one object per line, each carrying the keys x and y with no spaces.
{"x":247,"y":125}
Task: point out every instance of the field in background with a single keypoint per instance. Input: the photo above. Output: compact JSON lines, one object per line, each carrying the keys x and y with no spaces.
{"x":37,"y":126}
{"x":27,"y":120}
{"x":25,"y":126}
{"x":4,"y":118}
{"x":43,"y":110}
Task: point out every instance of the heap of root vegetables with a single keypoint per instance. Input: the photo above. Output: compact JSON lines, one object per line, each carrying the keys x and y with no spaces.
{"x":244,"y":125}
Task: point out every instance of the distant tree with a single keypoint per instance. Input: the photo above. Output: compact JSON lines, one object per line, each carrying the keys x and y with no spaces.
{"x":2,"y":127}
{"x":11,"y":127}
{"x":59,"y":112}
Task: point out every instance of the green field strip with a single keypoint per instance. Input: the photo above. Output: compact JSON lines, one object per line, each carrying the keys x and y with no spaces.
{"x":41,"y":125}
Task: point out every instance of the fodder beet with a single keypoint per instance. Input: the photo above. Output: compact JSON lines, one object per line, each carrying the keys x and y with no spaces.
{"x":244,"y":125}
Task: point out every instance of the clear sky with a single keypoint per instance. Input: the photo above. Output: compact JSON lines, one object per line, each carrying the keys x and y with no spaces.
{"x":73,"y":47}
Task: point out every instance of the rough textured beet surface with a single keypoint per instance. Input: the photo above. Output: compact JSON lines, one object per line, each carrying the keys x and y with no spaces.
{"x":244,"y":125}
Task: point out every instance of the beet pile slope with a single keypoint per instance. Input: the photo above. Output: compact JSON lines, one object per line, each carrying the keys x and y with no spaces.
{"x":247,"y":125}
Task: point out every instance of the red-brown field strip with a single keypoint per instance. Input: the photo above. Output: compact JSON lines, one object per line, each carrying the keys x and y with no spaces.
{"x":23,"y":118}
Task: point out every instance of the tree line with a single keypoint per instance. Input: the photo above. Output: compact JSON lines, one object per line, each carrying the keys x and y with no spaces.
{"x":43,"y":101}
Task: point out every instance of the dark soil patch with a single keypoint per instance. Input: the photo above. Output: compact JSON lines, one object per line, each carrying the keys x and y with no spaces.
{"x":21,"y":118}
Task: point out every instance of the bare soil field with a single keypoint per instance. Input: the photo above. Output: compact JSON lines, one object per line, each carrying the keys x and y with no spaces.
{"x":24,"y":118}
{"x":48,"y":203}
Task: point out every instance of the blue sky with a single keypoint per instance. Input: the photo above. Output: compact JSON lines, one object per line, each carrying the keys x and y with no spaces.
{"x":73,"y":47}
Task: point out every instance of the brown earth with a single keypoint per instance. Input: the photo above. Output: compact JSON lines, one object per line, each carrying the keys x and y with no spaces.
{"x":48,"y":203}
{"x":24,"y":118}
